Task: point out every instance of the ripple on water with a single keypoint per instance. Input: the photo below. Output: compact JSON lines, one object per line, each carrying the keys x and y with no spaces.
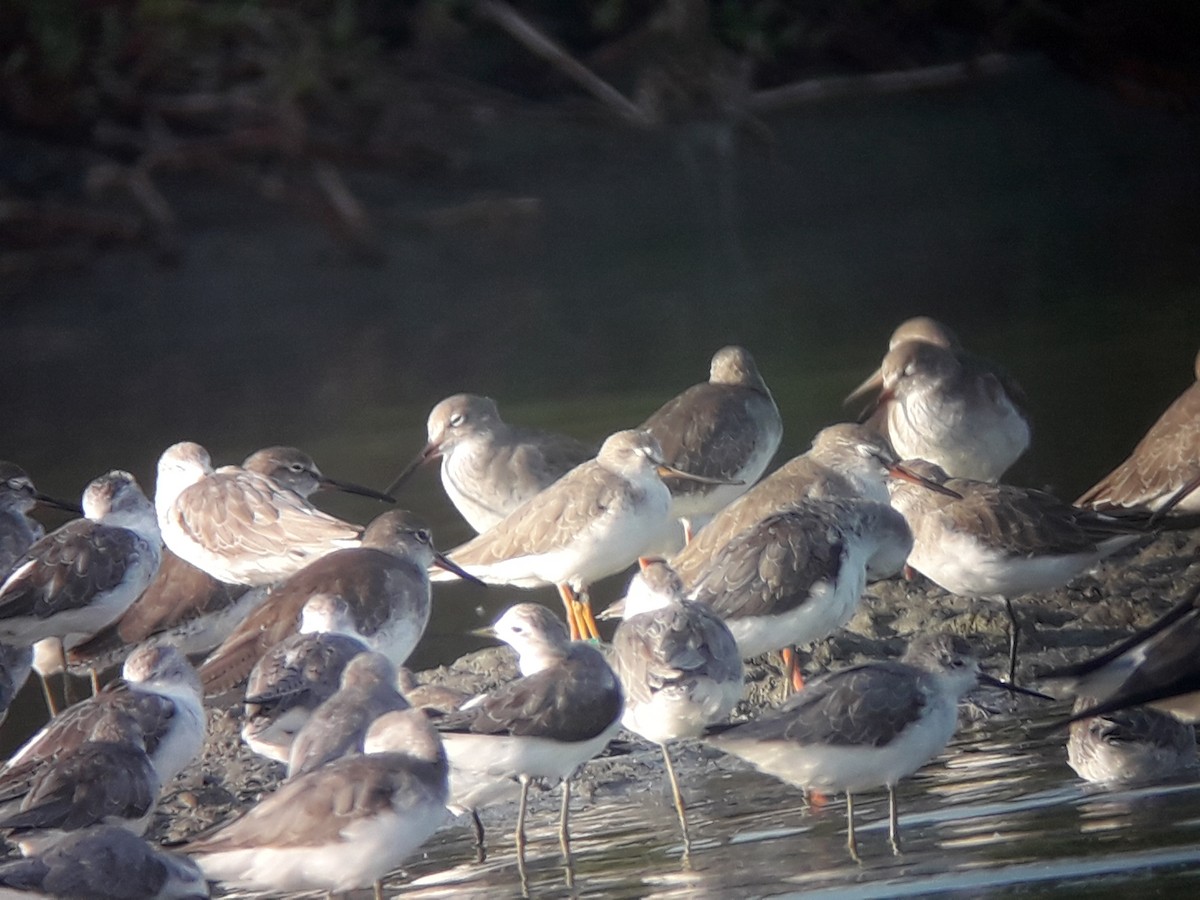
{"x":998,"y":812}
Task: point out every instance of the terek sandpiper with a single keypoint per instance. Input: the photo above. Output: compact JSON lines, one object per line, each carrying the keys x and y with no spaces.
{"x":945,"y":405}
{"x":489,"y":467}
{"x":727,"y":428}
{"x":562,"y":711}
{"x":864,"y":727}
{"x":1164,"y":468}
{"x":190,"y":608}
{"x":845,"y":462}
{"x":17,"y":530}
{"x":297,"y":675}
{"x":1129,"y":745}
{"x":384,"y":583}
{"x":162,"y":695}
{"x":237,"y":525}
{"x":796,"y":576}
{"x":83,"y":576}
{"x":1001,"y":541}
{"x":342,"y":826}
{"x":594,"y":521}
{"x":106,"y":780}
{"x":339,"y":725}
{"x":678,"y":663}
{"x":106,"y":861}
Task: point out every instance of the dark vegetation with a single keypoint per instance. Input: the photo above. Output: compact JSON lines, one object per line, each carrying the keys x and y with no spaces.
{"x":100,"y":100}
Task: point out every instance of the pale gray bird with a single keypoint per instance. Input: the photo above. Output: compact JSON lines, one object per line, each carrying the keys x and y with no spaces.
{"x":1164,"y":467}
{"x":726,"y":428}
{"x":678,"y":663}
{"x":106,"y":863}
{"x":384,"y":583}
{"x":83,"y":576}
{"x":864,"y":727}
{"x":342,"y":826}
{"x":340,"y":724}
{"x":1001,"y":541}
{"x":943,"y":404}
{"x":489,"y":467}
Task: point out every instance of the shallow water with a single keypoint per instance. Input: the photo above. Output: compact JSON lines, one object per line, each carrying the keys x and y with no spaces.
{"x":1051,"y":225}
{"x":998,"y":813}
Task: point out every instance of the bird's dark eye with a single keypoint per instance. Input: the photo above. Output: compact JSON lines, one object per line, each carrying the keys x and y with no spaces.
{"x":517,"y":629}
{"x":457,"y":419}
{"x":296,"y":467}
{"x":423,"y":536}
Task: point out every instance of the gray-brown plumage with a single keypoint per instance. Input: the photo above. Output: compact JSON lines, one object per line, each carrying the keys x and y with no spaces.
{"x":863,"y":727}
{"x":189,"y":607}
{"x":1001,"y":541}
{"x":18,"y":497}
{"x":77,"y":579}
{"x":237,"y":525}
{"x":1130,"y":745}
{"x":489,"y":467}
{"x":574,"y":701}
{"x":593,"y":522}
{"x":106,"y":863}
{"x":845,"y":461}
{"x":727,"y":427}
{"x":678,"y":663}
{"x":160,"y":693}
{"x":431,"y":697}
{"x":296,"y":676}
{"x":339,"y":725}
{"x":384,"y":584}
{"x":1165,"y":463}
{"x":342,"y":826}
{"x":107,"y":779}
{"x":953,"y":408}
{"x":545,"y":724}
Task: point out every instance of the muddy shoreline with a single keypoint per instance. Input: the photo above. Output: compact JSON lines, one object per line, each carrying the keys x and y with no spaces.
{"x":1097,"y":609}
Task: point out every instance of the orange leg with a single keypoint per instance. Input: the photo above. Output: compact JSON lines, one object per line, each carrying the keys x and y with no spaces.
{"x":570,"y":604}
{"x":791,"y":668}
{"x":587,"y":621}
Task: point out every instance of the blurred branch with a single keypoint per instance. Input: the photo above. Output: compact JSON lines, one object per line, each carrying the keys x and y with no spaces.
{"x":512,"y":22}
{"x":816,"y":90}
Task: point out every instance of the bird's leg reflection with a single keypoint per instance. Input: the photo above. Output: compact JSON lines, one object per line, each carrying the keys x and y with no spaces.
{"x":520,"y":835}
{"x":477,"y":827}
{"x":893,"y":821}
{"x":851,"y":838}
{"x":564,"y":835}
{"x":678,"y":795}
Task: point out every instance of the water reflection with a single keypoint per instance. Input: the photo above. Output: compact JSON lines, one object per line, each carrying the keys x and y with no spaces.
{"x":988,"y":814}
{"x":1051,"y":226}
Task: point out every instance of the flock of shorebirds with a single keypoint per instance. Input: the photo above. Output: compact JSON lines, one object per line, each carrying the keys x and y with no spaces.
{"x":307,"y":620}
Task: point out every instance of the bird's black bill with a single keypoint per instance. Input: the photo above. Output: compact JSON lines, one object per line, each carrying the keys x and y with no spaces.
{"x":347,"y":487}
{"x":59,"y":504}
{"x":992,"y":681}
{"x":430,"y":451}
{"x":444,"y":563}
